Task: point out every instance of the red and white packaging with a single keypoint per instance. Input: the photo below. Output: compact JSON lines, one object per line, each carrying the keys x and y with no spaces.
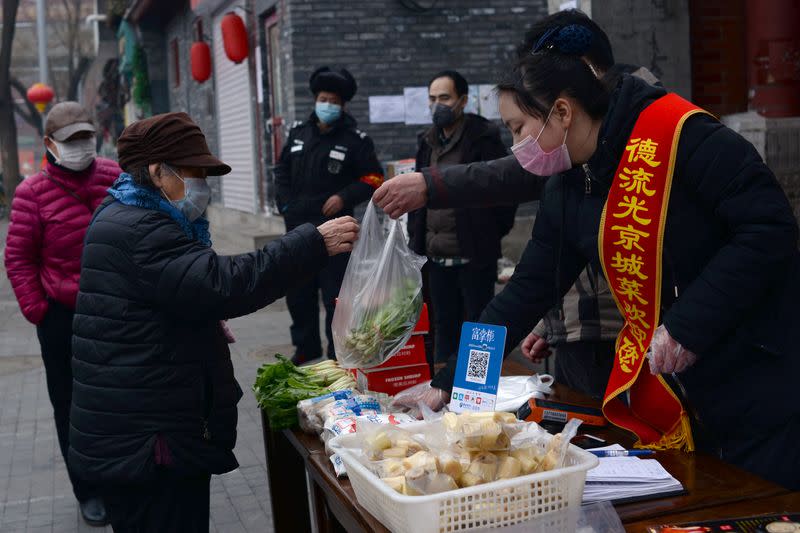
{"x":413,"y":353}
{"x":392,"y":380}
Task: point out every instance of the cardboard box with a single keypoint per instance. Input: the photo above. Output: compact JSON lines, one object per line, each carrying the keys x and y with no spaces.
{"x":393,"y":380}
{"x":400,"y":166}
{"x":424,"y":323}
{"x":413,"y":353}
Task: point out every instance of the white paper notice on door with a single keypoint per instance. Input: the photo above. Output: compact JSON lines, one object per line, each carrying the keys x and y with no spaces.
{"x":474,"y":100}
{"x":384,"y":109}
{"x":488,"y":98}
{"x":416,"y":103}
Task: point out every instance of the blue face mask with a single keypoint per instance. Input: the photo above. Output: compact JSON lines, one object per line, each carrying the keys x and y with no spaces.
{"x":196,"y":196}
{"x":327,"y":112}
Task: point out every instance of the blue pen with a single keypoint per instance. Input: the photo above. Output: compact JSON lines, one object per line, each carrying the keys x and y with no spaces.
{"x":621,"y":453}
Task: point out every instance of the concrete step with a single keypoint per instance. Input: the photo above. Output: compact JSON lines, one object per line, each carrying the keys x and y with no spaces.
{"x":239,"y":232}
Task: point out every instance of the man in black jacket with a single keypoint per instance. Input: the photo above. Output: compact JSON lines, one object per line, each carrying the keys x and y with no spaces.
{"x":462,"y":245}
{"x":326,"y":168}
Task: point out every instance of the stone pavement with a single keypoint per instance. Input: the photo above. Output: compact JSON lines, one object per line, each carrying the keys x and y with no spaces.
{"x":35,"y":493}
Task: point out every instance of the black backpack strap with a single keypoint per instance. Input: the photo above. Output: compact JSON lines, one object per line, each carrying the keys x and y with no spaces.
{"x":66,"y":189}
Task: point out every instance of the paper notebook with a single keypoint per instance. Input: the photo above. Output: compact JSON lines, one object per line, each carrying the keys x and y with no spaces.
{"x":620,"y":479}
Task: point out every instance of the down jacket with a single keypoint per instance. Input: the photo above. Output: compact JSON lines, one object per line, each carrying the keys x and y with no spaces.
{"x":153,"y":381}
{"x":45,"y":237}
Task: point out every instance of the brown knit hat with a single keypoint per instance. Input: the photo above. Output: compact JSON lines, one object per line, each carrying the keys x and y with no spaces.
{"x":171,"y":138}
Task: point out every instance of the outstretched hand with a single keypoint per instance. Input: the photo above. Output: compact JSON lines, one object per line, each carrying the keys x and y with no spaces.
{"x":402,"y":194}
{"x":340,"y":234}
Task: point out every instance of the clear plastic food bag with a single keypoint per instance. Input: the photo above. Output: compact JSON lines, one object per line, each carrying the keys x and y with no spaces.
{"x":482,"y":431}
{"x":381,"y":296}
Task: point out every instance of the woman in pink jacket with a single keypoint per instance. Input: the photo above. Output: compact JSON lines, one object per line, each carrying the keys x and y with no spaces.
{"x":50,"y":214}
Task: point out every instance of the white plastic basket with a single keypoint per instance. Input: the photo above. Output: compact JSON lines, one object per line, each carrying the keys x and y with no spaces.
{"x":556,"y":494}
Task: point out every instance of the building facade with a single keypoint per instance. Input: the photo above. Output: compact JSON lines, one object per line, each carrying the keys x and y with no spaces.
{"x":247,"y":109}
{"x":702,"y":50}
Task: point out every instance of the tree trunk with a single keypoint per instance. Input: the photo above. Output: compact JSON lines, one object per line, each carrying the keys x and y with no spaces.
{"x":8,"y":127}
{"x":77,"y":77}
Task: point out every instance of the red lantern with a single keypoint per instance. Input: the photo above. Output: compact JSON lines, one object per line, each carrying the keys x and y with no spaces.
{"x":201,"y":61}
{"x":234,"y":37}
{"x":40,"y":95}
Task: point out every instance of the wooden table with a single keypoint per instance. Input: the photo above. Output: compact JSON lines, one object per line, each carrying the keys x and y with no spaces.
{"x":707,"y":480}
{"x":712,"y":486}
{"x":789,"y":502}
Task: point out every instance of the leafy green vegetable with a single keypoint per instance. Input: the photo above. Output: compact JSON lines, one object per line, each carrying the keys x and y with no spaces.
{"x":279,"y":386}
{"x":383,"y":330}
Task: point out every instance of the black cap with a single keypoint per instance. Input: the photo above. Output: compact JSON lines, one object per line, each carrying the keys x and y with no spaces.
{"x":339,"y":81}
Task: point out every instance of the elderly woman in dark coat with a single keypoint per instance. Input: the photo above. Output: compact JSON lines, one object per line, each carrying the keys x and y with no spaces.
{"x":154,"y":402}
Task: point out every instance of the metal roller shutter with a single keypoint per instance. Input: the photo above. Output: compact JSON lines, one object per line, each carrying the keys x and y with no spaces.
{"x":235,"y":125}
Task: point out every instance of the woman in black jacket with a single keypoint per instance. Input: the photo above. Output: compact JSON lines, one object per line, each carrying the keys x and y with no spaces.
{"x":729,"y":329}
{"x":154,"y":402}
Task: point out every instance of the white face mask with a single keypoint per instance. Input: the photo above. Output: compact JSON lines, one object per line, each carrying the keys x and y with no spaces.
{"x":76,"y":155}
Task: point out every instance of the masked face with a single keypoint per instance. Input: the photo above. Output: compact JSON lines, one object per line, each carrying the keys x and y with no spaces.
{"x":443,"y":115}
{"x":328,"y":112}
{"x":445,"y":103}
{"x":533,"y":158}
{"x":196,"y":196}
{"x":75,"y":155}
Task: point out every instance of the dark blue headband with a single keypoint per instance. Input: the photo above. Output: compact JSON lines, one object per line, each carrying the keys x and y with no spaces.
{"x":572,"y":40}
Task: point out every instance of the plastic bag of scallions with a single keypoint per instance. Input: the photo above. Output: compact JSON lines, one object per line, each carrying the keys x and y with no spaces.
{"x":280,"y":385}
{"x":381,"y":296}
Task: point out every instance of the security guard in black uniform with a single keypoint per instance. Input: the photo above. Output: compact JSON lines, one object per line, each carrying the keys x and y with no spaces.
{"x":327,"y":167}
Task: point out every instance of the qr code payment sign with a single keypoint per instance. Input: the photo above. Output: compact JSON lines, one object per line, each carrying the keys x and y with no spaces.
{"x":477,"y":367}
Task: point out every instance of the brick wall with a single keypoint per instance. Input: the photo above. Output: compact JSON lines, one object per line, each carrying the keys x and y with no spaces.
{"x":719,"y":76}
{"x":388,"y":47}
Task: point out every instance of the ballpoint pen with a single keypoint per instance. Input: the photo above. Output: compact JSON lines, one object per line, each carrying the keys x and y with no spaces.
{"x":621,"y":453}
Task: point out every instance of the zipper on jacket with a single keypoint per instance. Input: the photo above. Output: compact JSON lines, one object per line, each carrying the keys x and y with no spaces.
{"x":209,"y":390}
{"x":588,"y":177}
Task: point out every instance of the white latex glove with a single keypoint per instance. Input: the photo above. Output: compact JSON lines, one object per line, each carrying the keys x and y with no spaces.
{"x":667,"y":355}
{"x":431,"y":396}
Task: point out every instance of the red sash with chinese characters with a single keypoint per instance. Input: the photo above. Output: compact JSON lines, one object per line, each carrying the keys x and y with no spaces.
{"x":631,"y":241}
